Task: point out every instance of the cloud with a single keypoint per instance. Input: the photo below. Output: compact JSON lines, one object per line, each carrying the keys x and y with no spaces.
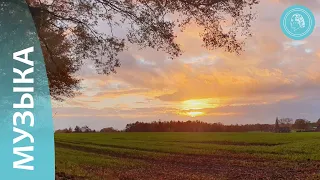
{"x":273,"y":77}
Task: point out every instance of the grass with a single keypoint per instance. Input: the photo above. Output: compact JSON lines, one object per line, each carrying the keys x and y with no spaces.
{"x":131,"y":155}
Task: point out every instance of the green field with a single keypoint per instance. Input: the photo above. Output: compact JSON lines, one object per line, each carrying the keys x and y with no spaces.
{"x":205,"y":156}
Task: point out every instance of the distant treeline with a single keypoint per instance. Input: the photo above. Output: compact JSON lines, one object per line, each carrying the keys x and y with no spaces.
{"x":199,"y":126}
{"x":281,"y":125}
{"x":85,"y":129}
{"x":194,"y":126}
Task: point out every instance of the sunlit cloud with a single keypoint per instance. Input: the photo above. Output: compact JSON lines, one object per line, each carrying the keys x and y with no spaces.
{"x":273,"y":77}
{"x":196,"y":104}
{"x":194,"y":113}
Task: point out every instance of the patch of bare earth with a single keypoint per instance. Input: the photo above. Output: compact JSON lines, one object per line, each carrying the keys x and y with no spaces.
{"x":222,"y":167}
{"x":64,"y":176}
{"x":210,"y":167}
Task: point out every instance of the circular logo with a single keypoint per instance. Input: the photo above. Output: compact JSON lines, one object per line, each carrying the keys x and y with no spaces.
{"x":297,"y":22}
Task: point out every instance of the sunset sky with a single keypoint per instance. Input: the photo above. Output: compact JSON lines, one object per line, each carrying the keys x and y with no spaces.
{"x":275,"y":76}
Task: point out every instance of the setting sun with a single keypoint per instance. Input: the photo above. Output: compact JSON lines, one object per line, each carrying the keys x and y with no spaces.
{"x":195,"y":104}
{"x":188,"y":107}
{"x":194,"y":114}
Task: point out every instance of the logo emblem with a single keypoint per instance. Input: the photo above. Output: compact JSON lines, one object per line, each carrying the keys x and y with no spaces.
{"x":297,"y":22}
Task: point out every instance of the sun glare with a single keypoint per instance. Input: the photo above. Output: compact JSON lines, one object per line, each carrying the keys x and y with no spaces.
{"x":195,"y":104}
{"x":194,"y":114}
{"x":193,"y":107}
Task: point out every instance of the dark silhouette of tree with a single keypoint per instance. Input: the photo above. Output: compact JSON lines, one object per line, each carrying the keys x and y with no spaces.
{"x":301,"y":124}
{"x":86,"y":129}
{"x":69,"y":35}
{"x":277,"y":127}
{"x":318,"y":125}
{"x":69,"y":130}
{"x":285,"y":122}
{"x":77,"y":129}
{"x":108,"y":129}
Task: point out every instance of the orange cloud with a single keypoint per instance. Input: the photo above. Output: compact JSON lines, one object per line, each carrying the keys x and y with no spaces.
{"x":272,"y":72}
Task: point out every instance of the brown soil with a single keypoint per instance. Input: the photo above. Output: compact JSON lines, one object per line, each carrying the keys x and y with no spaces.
{"x":201,"y":167}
